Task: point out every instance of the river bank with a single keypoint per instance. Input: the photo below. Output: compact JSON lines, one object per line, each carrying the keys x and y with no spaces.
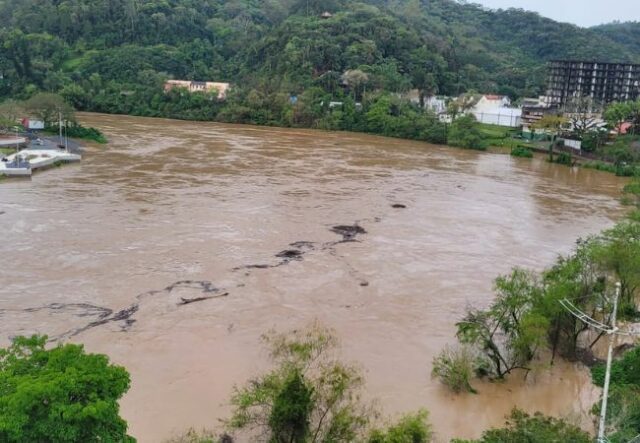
{"x":176,"y":209}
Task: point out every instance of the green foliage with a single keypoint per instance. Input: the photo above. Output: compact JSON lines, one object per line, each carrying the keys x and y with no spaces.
{"x":455,"y":368}
{"x":310,"y":396}
{"x":409,"y":429}
{"x":465,"y":133}
{"x":114,"y":56}
{"x":523,"y":428}
{"x":600,"y":166}
{"x":521,"y":151}
{"x":564,"y":158}
{"x":623,"y":413}
{"x":509,"y":333}
{"x":49,"y":108}
{"x":625,"y":371}
{"x":60,"y":394}
{"x":289,"y":417}
{"x":78,"y":131}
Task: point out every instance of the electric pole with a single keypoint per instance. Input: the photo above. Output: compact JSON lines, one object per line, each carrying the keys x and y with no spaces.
{"x":613,"y":331}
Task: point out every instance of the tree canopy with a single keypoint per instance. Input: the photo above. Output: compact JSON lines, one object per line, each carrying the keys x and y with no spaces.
{"x":60,"y":394}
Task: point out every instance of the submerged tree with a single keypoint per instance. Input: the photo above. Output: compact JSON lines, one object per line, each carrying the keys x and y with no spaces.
{"x":509,"y":333}
{"x":310,"y":396}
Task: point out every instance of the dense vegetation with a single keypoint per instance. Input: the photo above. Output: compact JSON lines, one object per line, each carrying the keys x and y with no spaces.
{"x":114,"y":56}
{"x":59,"y":395}
{"x":529,"y":314}
{"x":62,"y":394}
{"x":624,"y":407}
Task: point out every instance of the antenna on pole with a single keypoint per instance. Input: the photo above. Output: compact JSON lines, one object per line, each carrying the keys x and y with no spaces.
{"x":613,"y":331}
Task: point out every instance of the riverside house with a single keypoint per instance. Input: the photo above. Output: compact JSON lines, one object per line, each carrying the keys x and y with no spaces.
{"x":195,"y":86}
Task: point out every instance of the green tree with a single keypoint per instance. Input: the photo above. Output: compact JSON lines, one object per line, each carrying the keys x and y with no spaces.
{"x":309,"y":396}
{"x":465,"y":133}
{"x":290,"y":414}
{"x":616,"y":114}
{"x":60,"y":394}
{"x":334,"y":412}
{"x":510,"y":332}
{"x":49,"y":108}
{"x":10,"y":113}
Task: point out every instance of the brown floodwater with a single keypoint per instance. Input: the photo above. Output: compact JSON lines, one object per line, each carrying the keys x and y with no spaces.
{"x":103,"y":252}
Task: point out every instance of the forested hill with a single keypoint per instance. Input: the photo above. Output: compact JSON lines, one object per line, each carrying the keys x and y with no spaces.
{"x":626,"y":34}
{"x":113,"y":55}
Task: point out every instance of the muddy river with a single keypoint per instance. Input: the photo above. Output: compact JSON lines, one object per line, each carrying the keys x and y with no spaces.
{"x":105,"y":253}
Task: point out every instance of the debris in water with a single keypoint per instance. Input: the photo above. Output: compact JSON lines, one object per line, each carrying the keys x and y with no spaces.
{"x":187,"y":301}
{"x":290,"y":254}
{"x":348,"y":232}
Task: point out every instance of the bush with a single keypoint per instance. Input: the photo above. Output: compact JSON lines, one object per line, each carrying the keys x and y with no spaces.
{"x":564,"y":159}
{"x":410,"y":429}
{"x":60,"y":394}
{"x":523,"y":428}
{"x":455,"y":368}
{"x":78,"y":131}
{"x":521,"y":151}
{"x":600,"y":166}
{"x":623,"y":413}
{"x":625,"y":371}
{"x":465,"y":133}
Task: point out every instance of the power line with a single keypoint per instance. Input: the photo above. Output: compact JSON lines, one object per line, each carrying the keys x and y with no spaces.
{"x":613,"y":331}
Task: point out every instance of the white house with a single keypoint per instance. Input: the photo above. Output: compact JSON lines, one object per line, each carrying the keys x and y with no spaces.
{"x":194,"y":86}
{"x":496,"y":110}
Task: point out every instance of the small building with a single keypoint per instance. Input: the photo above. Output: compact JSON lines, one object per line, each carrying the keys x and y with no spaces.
{"x":436,"y":104}
{"x":196,"y":86}
{"x":496,"y":110}
{"x":325,"y":15}
{"x":32,"y":124}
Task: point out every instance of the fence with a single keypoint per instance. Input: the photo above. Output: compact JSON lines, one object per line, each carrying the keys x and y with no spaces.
{"x":510,"y":119}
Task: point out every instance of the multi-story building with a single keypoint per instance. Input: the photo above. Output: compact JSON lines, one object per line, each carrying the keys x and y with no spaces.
{"x":603,"y":82}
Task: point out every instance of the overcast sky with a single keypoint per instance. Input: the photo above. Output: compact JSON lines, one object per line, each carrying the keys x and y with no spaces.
{"x":579,"y":12}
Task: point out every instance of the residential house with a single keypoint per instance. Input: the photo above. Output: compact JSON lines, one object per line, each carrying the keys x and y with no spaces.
{"x":496,"y":110}
{"x":196,"y":86}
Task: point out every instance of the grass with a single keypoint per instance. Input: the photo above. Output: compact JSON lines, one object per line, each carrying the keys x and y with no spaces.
{"x":7,"y":151}
{"x":502,"y":138}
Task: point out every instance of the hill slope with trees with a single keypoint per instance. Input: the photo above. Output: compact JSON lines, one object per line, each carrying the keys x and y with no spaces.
{"x":113,"y":56}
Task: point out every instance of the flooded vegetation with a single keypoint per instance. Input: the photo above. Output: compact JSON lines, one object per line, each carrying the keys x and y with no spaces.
{"x":176,"y":246}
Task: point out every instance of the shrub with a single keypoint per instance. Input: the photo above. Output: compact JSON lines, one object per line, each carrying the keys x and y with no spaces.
{"x":523,"y":428}
{"x":455,"y":368}
{"x":521,"y":151}
{"x":465,"y":133}
{"x":625,"y":371}
{"x":409,"y":429}
{"x":564,"y":159}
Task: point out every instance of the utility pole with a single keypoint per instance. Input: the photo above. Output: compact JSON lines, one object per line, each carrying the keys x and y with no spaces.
{"x":613,"y":331}
{"x":607,"y":376}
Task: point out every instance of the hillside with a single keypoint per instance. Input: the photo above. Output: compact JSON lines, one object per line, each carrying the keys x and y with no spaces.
{"x":114,"y":55}
{"x":625,"y":34}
